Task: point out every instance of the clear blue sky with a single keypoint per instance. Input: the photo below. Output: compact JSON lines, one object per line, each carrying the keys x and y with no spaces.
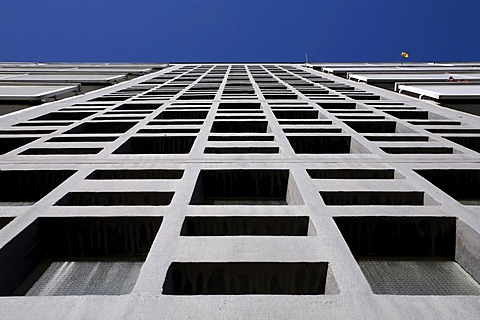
{"x":239,"y":30}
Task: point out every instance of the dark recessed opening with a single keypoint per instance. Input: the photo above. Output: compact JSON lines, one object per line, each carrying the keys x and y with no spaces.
{"x":4,"y":221}
{"x":182,"y":115}
{"x":418,"y":150}
{"x":244,"y":187}
{"x":461,"y":184}
{"x":398,"y":108}
{"x":175,"y":130}
{"x":280,"y":96}
{"x":355,"y":112}
{"x":339,"y":105}
{"x":197,"y":96}
{"x":42,"y":124}
{"x":436,"y":123}
{"x":408,"y":255}
{"x":453,"y":130}
{"x":133,"y":112}
{"x":302,"y":106}
{"x":135,"y":174}
{"x":238,"y":117}
{"x":110,"y":98}
{"x":239,"y":106}
{"x":320,"y":144}
{"x":53,"y":256}
{"x":137,"y":198}
{"x":64,"y":116}
{"x":296,"y":114}
{"x":396,"y":138}
{"x":241,"y":138}
{"x":232,"y":150}
{"x":157,"y":145}
{"x":241,"y":278}
{"x":362,"y":96}
{"x":399,"y":236}
{"x":9,"y":144}
{"x":102,"y":127}
{"x":27,"y":187}
{"x":372,"y":126}
{"x":118,"y":118}
{"x":421,"y":115}
{"x":351,"y":173}
{"x":371,"y":198}
{"x":239,"y":111}
{"x":239,"y":126}
{"x":472,"y":143}
{"x":174,"y":123}
{"x":16,"y":132}
{"x":138,"y":106}
{"x":54,"y":151}
{"x":312,"y":130}
{"x":387,"y":103}
{"x":301,"y":122}
{"x":245,"y":226}
{"x":187,"y":107}
{"x":82,"y":139}
{"x":359,"y":117}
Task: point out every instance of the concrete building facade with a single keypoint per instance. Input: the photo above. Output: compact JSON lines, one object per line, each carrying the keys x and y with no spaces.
{"x":266,"y":191}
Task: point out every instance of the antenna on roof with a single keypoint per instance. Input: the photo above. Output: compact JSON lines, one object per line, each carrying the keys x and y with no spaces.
{"x":306,"y":59}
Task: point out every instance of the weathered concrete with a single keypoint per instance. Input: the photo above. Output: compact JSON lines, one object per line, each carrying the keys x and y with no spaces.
{"x":328,"y":135}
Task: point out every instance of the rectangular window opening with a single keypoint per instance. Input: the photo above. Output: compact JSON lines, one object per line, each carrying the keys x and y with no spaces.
{"x":239,"y":106}
{"x":242,"y":278}
{"x":4,"y":221}
{"x":339,"y":105}
{"x":403,"y":114}
{"x":408,"y":255}
{"x":239,"y":126}
{"x":372,"y":126}
{"x":418,"y":150}
{"x":296,"y":114}
{"x":60,"y":151}
{"x":320,"y":144}
{"x":373,"y":198}
{"x":241,"y":150}
{"x":17,"y":132}
{"x":25,"y":187}
{"x":9,"y":144}
{"x":126,"y":198}
{"x":245,"y":187}
{"x":302,"y":122}
{"x":472,"y":142}
{"x":245,"y":226}
{"x":157,"y":145}
{"x":241,"y":138}
{"x":127,"y":174}
{"x":173,"y":130}
{"x":351,"y":173}
{"x":52,"y":256}
{"x":461,"y":184}
{"x":102,"y":127}
{"x":182,"y":115}
{"x":174,"y":123}
{"x":52,"y":116}
{"x":397,"y":138}
{"x":312,"y":130}
{"x":138,"y":106}
{"x":82,"y":139}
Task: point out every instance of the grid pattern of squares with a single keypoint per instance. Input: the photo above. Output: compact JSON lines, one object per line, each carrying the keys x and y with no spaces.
{"x":204,"y":190}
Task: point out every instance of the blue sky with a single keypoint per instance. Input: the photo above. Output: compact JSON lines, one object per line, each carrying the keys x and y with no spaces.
{"x":239,"y":30}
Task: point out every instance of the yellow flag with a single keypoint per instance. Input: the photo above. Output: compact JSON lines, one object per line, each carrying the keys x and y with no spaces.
{"x":404,"y":54}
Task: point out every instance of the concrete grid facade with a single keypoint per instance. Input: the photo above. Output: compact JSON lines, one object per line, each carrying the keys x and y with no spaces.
{"x":240,"y":191}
